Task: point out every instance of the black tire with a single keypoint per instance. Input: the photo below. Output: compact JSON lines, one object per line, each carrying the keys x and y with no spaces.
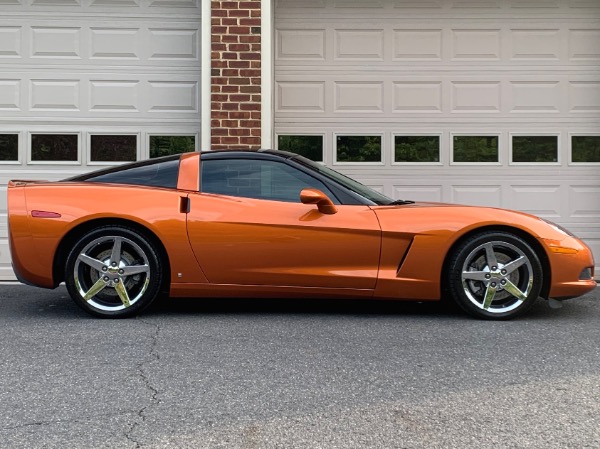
{"x":494,"y":275}
{"x":113,"y":272}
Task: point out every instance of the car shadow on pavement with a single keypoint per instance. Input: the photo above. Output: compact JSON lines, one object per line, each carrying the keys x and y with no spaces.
{"x":297,"y":306}
{"x":28,"y":301}
{"x":576,"y":309}
{"x":334,"y":307}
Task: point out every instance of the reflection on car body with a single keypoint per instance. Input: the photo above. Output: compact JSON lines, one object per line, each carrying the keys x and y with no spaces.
{"x":269,"y":223}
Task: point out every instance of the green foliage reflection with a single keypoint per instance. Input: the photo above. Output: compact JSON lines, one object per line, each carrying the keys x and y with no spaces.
{"x":359,"y":148}
{"x":113,"y":148}
{"x":417,"y":149}
{"x":310,"y":147}
{"x":585,"y":148}
{"x":167,"y":145}
{"x":54,"y":147}
{"x":475,"y":148}
{"x":9,"y":147}
{"x":535,"y":148}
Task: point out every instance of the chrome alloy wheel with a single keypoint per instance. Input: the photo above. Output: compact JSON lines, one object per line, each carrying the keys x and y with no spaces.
{"x":111,"y":273}
{"x":497,"y":277}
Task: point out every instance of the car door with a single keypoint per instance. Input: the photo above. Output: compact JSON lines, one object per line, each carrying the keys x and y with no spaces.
{"x":248,"y":226}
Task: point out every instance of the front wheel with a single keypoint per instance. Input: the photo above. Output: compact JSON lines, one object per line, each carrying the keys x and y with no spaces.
{"x":113,"y":271}
{"x":495,"y":275}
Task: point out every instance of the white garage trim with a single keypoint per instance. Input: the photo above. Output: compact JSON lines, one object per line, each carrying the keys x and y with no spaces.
{"x":267,"y":73}
{"x":205,"y":97}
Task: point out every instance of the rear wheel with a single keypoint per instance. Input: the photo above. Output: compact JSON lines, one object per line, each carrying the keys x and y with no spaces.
{"x":113,"y":271}
{"x":495,"y":275}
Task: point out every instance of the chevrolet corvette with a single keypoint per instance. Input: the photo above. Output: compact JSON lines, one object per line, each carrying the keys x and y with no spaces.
{"x":274,"y":224}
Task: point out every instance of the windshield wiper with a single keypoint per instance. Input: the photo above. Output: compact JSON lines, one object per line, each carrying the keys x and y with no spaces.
{"x":400,"y":202}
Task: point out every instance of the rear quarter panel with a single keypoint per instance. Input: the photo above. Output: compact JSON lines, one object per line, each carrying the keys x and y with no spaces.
{"x":36,"y":240}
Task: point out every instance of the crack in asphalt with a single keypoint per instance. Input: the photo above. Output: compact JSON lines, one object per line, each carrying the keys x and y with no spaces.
{"x":61,"y":421}
{"x":154,"y":356}
{"x":140,"y":413}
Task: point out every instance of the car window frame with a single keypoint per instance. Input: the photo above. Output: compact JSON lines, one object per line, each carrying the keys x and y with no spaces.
{"x":277,"y":160}
{"x":345,"y":196}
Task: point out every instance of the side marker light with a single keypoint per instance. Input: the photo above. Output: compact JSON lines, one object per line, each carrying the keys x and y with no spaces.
{"x":44,"y":214}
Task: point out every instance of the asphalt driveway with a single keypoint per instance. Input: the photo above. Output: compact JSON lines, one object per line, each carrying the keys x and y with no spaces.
{"x":296,"y":374}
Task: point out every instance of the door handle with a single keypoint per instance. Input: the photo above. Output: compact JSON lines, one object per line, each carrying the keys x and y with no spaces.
{"x":184,"y":205}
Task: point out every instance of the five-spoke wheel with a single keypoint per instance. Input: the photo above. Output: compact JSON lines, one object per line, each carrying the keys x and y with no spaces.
{"x":113,"y":271}
{"x":495,"y":275}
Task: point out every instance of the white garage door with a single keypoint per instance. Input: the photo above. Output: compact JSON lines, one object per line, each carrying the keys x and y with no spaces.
{"x":487,"y":102}
{"x":90,"y":83}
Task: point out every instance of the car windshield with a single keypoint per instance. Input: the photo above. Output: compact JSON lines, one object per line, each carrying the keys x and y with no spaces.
{"x":349,"y":183}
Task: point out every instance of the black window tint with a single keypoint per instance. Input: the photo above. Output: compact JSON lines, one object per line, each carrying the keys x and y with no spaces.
{"x":54,"y":147}
{"x":113,"y":148}
{"x":261,"y":179}
{"x":9,"y":147}
{"x":585,"y":148}
{"x":159,"y":174}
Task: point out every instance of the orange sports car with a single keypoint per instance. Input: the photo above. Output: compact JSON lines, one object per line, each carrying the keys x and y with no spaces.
{"x":269,"y":223}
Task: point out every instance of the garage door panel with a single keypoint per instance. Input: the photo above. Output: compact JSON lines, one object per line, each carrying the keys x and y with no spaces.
{"x":435,"y":42}
{"x":584,"y":97}
{"x":94,"y":68}
{"x":525,"y":71}
{"x":100,"y":95}
{"x":450,"y":8}
{"x":509,"y":97}
{"x":10,"y":94}
{"x":97,"y":43}
{"x":103,"y":6}
{"x":543,"y":200}
{"x":584,"y":202}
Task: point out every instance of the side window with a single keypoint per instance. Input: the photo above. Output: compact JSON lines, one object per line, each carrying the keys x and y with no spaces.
{"x":260,"y":179}
{"x":147,"y":173}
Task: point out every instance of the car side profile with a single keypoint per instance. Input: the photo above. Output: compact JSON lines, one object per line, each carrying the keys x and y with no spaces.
{"x":274,"y":224}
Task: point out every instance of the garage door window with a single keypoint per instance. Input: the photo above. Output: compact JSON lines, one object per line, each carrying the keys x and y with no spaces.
{"x":168,"y":145}
{"x":535,"y":149}
{"x":417,"y":149}
{"x":54,"y":147}
{"x":311,"y":147}
{"x":475,"y":149}
{"x":113,"y":148}
{"x":9,"y":147}
{"x":585,"y":149}
{"x":358,"y":148}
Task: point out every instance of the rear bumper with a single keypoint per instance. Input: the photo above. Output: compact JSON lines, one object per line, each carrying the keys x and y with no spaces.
{"x":22,"y":279}
{"x":27,"y":262}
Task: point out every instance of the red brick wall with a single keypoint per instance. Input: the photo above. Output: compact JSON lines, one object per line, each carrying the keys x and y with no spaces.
{"x":235,"y":76}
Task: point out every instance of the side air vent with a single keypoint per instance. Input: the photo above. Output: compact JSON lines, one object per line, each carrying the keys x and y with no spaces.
{"x":404,"y":257}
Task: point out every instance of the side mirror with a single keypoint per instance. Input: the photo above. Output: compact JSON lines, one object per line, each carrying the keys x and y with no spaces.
{"x":315,"y":196}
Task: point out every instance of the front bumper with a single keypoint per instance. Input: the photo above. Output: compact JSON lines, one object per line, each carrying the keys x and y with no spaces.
{"x":572,"y":268}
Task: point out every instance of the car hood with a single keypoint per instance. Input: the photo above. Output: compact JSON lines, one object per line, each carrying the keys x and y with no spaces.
{"x":427,"y":217}
{"x":463,"y":207}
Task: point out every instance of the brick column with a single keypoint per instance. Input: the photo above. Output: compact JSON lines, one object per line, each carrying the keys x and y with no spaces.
{"x":235,"y":75}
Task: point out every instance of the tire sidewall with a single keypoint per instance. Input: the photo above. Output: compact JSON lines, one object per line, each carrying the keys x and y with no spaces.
{"x":153,"y":260}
